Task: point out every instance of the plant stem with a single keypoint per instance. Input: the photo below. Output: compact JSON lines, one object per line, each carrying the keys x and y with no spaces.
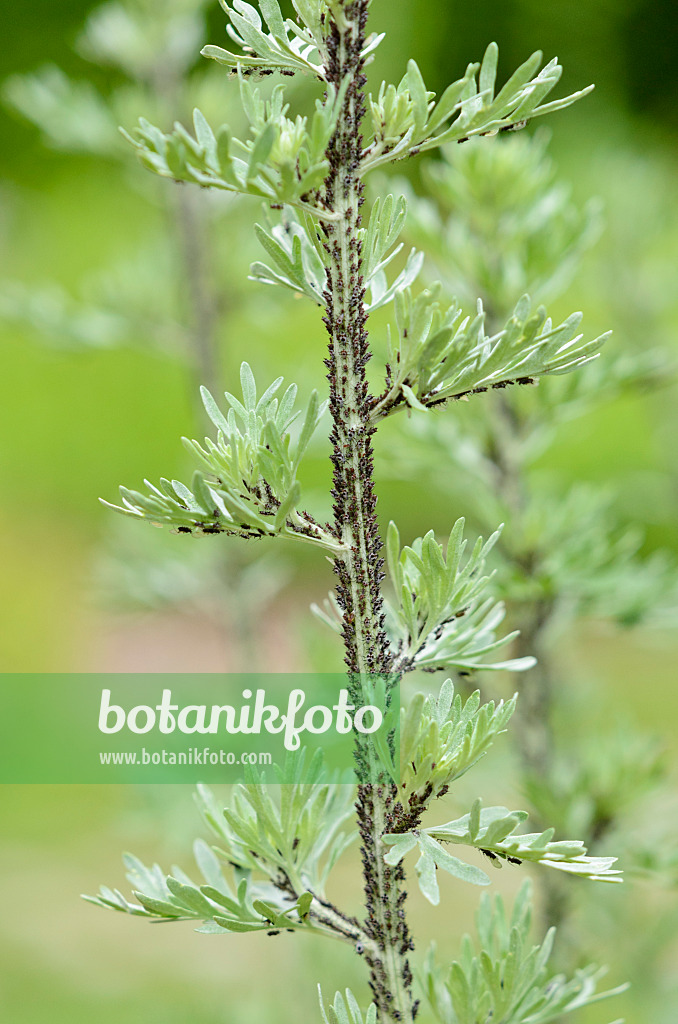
{"x":201,"y":302}
{"x":534,"y":718}
{"x":359,"y":569}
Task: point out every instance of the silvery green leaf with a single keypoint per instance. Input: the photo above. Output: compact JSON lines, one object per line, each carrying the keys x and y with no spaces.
{"x":503,"y":975}
{"x":425,"y":869}
{"x":497,"y":833}
{"x":381,"y":293}
{"x":407,"y":120}
{"x":387,"y":218}
{"x":284,"y":47}
{"x":447,"y":360}
{"x":346,"y":1010}
{"x":298,"y":263}
{"x":250,"y":487}
{"x":441,"y":738}
{"x":283,"y":161}
{"x":400,"y":846}
{"x":439,"y":617}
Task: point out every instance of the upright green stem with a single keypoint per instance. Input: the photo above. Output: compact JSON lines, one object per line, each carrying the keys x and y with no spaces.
{"x":187,"y":222}
{"x":201,"y":301}
{"x":359,"y":569}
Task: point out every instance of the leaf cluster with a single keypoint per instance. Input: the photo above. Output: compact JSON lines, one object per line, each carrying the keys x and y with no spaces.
{"x":299,"y":259}
{"x":442,"y":737}
{"x":288,"y":46}
{"x":296,"y":252}
{"x":436,"y":358}
{"x":346,"y":1010}
{"x":438,"y":618}
{"x":406,"y":119}
{"x":295,"y":831}
{"x":249,"y":907}
{"x":432,"y":856}
{"x":280,"y":843}
{"x":283,"y":161}
{"x":251,"y":489}
{"x":493,"y":830}
{"x":507,"y":978}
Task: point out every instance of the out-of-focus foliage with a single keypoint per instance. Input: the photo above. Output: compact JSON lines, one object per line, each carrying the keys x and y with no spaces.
{"x":147,"y":297}
{"x":174,"y":293}
{"x":520,"y":230}
{"x":507,"y":978}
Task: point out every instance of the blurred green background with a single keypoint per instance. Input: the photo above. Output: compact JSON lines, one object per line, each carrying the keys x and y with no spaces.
{"x":77,"y":421}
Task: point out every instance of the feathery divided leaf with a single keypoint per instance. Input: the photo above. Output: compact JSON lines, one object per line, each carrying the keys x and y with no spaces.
{"x":291,"y":835}
{"x":441,"y":738}
{"x":282,"y":162}
{"x":506,"y":978}
{"x":298,"y":828}
{"x":287,"y":46}
{"x":437,"y":358}
{"x":406,"y":118}
{"x":387,"y":219}
{"x":297,"y":255}
{"x":437,"y":617}
{"x":432,"y":856}
{"x":251,"y":488}
{"x":494,"y":831}
{"x":249,"y":907}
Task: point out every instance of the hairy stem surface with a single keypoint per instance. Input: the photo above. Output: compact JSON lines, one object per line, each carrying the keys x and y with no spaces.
{"x":359,"y":569}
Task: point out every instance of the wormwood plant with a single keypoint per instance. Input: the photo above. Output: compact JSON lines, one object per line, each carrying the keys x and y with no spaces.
{"x":277,"y":845}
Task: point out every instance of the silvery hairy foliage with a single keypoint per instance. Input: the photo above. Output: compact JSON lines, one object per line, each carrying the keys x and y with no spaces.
{"x":276,"y":845}
{"x":495,"y":218}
